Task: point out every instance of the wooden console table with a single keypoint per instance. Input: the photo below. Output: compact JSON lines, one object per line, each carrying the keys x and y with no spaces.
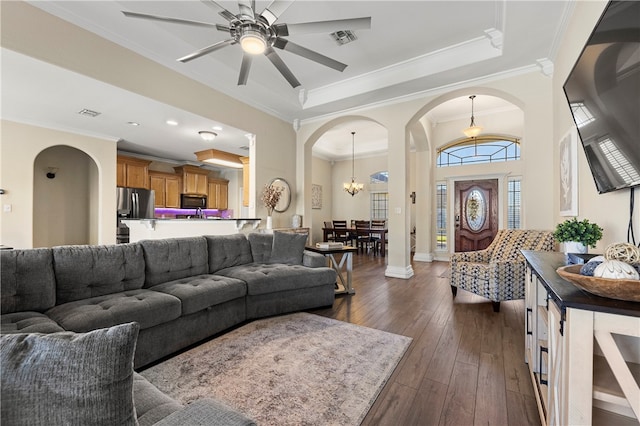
{"x":583,"y":350}
{"x":346,"y":262}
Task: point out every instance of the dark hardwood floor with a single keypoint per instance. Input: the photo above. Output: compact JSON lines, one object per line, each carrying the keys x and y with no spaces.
{"x":465,"y":365}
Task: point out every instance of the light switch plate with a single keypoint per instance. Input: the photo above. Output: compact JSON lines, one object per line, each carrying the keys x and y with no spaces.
{"x":6,"y":208}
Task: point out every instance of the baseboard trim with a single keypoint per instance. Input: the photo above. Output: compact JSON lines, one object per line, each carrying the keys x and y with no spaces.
{"x":423,"y":257}
{"x":397,"y":272}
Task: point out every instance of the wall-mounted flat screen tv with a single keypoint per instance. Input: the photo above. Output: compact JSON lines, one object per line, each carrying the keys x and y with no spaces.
{"x":603,"y":91}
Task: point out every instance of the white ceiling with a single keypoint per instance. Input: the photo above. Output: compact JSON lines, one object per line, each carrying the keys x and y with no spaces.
{"x":412,"y":47}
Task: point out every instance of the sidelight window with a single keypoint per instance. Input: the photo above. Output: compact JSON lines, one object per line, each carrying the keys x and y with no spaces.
{"x":441,"y":216}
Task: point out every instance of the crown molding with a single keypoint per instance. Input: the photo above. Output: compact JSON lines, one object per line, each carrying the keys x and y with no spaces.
{"x":455,"y":56}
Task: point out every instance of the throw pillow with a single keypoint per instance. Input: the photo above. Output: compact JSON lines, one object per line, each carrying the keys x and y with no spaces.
{"x":288,"y":248}
{"x":66,"y":378}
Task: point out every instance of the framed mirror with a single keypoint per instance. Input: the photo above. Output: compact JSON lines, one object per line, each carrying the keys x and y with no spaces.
{"x":285,"y":198}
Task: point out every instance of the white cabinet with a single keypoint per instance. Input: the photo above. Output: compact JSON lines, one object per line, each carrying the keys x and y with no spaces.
{"x":583,"y":351}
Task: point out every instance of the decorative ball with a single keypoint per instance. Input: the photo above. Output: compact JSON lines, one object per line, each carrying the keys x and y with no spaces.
{"x":624,"y":252}
{"x":616,"y":269}
{"x":597,"y":259}
{"x":588,"y":268}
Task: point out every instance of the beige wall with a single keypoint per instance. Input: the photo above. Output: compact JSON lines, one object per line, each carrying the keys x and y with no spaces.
{"x":530,"y":93}
{"x":20,"y":145}
{"x":611,"y":210}
{"x":62,"y":205}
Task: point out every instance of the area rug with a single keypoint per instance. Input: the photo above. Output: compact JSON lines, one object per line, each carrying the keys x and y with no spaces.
{"x":298,"y":369}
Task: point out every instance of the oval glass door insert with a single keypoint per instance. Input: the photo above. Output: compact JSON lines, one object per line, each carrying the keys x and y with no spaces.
{"x":476,"y":207}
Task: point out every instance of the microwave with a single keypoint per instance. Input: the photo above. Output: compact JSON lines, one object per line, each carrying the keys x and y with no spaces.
{"x":193,"y":201}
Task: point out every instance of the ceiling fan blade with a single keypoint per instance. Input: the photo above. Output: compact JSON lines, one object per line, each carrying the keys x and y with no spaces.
{"x":205,"y":50}
{"x":167,"y":19}
{"x":246,"y":8}
{"x":282,"y":67}
{"x":289,"y":46}
{"x":323,"y":26}
{"x":272,"y":12}
{"x":220,"y":10}
{"x":244,"y":69}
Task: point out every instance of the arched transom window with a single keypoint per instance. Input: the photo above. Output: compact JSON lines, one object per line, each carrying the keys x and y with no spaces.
{"x":482,"y":149}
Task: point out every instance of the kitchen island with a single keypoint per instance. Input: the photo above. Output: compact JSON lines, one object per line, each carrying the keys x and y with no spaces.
{"x":153,"y":229}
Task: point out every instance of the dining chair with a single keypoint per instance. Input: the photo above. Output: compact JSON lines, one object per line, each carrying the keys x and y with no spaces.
{"x":341,"y":232}
{"x":379,"y":224}
{"x":331,"y":236}
{"x":364,"y":238}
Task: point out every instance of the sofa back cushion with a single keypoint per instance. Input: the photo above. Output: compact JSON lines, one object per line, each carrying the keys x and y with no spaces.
{"x":279,"y":247}
{"x":84,"y":271}
{"x":27,"y":279}
{"x":174,"y":258}
{"x":261,"y":245}
{"x":227,"y":250}
{"x":508,"y":243}
{"x":288,"y":248}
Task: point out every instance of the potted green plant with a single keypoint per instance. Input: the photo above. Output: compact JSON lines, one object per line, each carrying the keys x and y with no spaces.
{"x":583,"y":233}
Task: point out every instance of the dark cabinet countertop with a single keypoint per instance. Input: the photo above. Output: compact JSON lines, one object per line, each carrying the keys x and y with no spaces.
{"x":567,"y":295}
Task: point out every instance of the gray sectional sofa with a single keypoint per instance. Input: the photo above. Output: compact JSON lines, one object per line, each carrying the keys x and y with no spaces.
{"x":179,"y":291}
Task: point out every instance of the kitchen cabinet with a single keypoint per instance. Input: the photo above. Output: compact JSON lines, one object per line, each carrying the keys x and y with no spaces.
{"x":167,"y":189}
{"x":583,"y":351}
{"x":132,"y":172}
{"x":217,"y":194}
{"x":245,"y":181}
{"x":194,"y":180}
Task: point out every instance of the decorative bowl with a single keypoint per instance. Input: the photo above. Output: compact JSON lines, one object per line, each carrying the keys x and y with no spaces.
{"x":628,"y":290}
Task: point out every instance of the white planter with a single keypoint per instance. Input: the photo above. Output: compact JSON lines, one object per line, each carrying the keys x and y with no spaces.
{"x":269,"y":222}
{"x":575,"y":247}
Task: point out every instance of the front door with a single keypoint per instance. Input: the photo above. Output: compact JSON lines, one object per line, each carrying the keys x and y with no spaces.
{"x":476,"y":214}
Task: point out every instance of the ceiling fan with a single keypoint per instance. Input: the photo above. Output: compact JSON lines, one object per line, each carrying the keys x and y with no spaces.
{"x":259,"y":34}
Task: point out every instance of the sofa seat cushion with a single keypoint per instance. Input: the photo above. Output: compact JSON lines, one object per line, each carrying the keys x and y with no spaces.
{"x":202,"y":291}
{"x":206,"y":412}
{"x":151,"y":404}
{"x":147,"y":308}
{"x":262,"y":278}
{"x":28,"y":322}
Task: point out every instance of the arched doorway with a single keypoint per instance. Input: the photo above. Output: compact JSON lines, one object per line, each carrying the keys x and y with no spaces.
{"x":65,"y":197}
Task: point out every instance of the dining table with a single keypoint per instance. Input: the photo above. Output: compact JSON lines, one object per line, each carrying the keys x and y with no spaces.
{"x":327,"y":231}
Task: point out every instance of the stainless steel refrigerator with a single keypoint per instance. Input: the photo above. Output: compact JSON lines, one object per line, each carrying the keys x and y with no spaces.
{"x":133,"y":203}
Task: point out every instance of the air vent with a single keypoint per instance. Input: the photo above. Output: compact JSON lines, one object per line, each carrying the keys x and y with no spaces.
{"x":344,"y":36}
{"x":88,"y":112}
{"x":244,"y":148}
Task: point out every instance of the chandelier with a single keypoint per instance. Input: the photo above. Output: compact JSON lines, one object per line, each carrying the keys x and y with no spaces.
{"x":353,"y":187}
{"x":473,"y":130}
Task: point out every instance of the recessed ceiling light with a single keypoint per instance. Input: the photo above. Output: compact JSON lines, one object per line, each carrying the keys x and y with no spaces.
{"x":207,"y":136}
{"x":133,"y":123}
{"x":172,"y":122}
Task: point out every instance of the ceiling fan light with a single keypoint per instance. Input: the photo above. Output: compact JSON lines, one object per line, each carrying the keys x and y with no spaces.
{"x":253,"y":42}
{"x":207,"y":136}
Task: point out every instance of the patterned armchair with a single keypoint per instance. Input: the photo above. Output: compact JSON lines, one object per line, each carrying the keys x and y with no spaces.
{"x":498,"y":272}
